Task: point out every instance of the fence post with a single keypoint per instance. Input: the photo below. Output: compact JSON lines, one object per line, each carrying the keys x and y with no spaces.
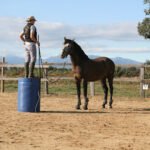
{"x":46,"y":82}
{"x":142,"y":92}
{"x":2,"y":75}
{"x":92,"y":89}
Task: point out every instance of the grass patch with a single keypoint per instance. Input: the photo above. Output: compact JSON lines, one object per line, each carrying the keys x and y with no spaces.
{"x":68,"y":87}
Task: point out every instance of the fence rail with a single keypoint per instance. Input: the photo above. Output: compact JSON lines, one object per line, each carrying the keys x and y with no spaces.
{"x":3,"y":65}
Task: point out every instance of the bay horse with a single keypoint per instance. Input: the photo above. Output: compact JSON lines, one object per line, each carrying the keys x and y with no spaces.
{"x":86,"y":69}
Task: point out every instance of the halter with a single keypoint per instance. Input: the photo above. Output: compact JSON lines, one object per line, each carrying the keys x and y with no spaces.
{"x":67,"y":48}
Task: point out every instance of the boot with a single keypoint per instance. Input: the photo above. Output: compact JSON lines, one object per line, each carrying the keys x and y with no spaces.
{"x":26,"y":65}
{"x":31,"y":74}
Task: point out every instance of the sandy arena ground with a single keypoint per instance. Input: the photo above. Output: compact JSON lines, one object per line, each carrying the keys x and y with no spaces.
{"x":60,"y":127}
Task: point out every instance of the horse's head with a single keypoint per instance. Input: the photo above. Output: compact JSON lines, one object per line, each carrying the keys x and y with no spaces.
{"x":73,"y":49}
{"x":68,"y":47}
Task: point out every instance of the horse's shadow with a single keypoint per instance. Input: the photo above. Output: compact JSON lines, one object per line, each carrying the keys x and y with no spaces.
{"x":142,"y":109}
{"x":103,"y":111}
{"x":72,"y":112}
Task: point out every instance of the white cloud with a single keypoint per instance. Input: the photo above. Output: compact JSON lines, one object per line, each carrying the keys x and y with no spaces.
{"x":108,"y":32}
{"x":51,"y":36}
{"x":119,"y":50}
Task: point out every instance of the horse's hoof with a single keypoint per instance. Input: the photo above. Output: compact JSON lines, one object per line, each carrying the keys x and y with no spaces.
{"x":77,"y":107}
{"x":103,"y":106}
{"x":110,"y":107}
{"x":85,"y":108}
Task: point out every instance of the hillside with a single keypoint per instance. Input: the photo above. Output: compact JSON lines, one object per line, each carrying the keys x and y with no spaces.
{"x":57,"y":59}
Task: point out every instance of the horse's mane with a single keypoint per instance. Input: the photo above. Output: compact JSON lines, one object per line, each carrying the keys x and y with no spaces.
{"x":79,"y":51}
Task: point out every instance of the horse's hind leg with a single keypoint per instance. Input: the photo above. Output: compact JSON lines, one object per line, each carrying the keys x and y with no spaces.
{"x":105,"y":88}
{"x":110,"y":81}
{"x":85,"y":95}
{"x":78,"y":93}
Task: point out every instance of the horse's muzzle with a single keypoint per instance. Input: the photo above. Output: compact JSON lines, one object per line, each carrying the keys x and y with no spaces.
{"x":63,"y":55}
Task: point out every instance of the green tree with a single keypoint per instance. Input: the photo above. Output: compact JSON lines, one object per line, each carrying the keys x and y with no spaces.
{"x":147,"y":62}
{"x":144,"y":26}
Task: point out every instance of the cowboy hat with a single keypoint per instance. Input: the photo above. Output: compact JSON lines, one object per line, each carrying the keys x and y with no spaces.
{"x":31,"y":18}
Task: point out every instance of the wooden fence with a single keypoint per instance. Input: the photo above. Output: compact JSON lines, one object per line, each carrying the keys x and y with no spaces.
{"x":3,"y":65}
{"x":3,"y":78}
{"x":144,"y":83}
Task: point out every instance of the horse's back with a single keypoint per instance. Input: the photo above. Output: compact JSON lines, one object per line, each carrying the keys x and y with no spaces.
{"x":105,"y":60}
{"x":106,"y":63}
{"x":98,"y":69}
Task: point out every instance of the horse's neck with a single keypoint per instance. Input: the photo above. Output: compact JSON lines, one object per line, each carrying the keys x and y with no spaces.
{"x":78,"y":56}
{"x":76,"y":60}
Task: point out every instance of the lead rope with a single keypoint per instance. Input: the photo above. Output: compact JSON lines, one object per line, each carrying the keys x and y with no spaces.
{"x":39,"y":69}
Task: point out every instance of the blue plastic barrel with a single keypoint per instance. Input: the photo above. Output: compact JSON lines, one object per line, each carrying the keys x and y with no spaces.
{"x":29,"y":95}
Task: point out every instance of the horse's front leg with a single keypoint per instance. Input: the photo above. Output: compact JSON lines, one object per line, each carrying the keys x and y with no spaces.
{"x":85,"y":95}
{"x":78,"y":82}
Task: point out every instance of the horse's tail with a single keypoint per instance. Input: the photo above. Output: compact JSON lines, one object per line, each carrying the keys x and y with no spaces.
{"x":111,"y":68}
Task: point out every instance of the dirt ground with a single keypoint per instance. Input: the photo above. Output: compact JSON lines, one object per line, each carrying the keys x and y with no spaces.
{"x":60,"y":127}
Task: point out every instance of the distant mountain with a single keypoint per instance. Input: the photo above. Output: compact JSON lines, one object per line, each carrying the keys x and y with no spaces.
{"x":117,"y":60}
{"x":14,"y":60}
{"x":57,"y":59}
{"x":125,"y":61}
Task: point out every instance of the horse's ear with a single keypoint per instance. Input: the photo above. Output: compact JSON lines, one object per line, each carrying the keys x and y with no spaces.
{"x":65,"y":38}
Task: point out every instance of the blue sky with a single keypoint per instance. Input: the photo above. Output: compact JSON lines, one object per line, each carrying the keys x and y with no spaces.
{"x":100,"y":27}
